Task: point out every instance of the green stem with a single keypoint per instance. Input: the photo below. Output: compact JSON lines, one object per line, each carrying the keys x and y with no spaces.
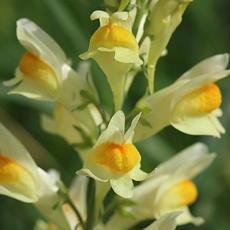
{"x":142,"y":39}
{"x":140,"y":12}
{"x":91,"y":205}
{"x":102,"y":189}
{"x":102,"y":112}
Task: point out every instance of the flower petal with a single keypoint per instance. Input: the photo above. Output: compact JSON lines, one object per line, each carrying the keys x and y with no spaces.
{"x":130,"y":132}
{"x":123,"y":186}
{"x":204,"y":124}
{"x":126,"y":55}
{"x":115,"y":131}
{"x":29,"y":87}
{"x":207,"y":66}
{"x":188,"y":154}
{"x":166,"y":222}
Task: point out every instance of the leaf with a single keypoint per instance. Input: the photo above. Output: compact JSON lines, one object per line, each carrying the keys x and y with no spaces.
{"x":145,"y":123}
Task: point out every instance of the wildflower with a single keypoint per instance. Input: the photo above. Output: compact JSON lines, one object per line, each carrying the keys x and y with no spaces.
{"x":115,"y":49}
{"x":114,"y":158}
{"x":43,"y":72}
{"x":163,"y":19}
{"x":191,"y":104}
{"x":20,"y":178}
{"x":169,"y":189}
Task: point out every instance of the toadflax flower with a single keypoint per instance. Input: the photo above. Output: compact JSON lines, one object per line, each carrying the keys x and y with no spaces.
{"x":43,"y":72}
{"x":115,"y":49}
{"x":191,"y":104}
{"x":169,"y":189}
{"x":20,"y":178}
{"x":114,"y":158}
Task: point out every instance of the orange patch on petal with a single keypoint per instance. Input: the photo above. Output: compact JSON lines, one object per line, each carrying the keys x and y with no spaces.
{"x":113,"y":36}
{"x":9,"y":170}
{"x":118,"y":158}
{"x":203,"y":100}
{"x":16,"y":178}
{"x":181,"y":194}
{"x":33,"y":67}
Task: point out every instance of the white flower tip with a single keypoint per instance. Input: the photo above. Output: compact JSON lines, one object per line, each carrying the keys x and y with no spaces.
{"x":99,"y":14}
{"x":27,"y":24}
{"x":200,"y":147}
{"x":225,"y":58}
{"x":197,"y":221}
{"x":212,"y":156}
{"x":22,"y":21}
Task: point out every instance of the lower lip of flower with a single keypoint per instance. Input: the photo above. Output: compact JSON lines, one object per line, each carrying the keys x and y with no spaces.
{"x":118,"y":158}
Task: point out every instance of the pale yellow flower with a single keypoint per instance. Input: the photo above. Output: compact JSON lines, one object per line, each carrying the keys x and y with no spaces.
{"x":114,"y":158}
{"x":115,"y":49}
{"x":43,"y":72}
{"x":191,"y":104}
{"x":20,"y":178}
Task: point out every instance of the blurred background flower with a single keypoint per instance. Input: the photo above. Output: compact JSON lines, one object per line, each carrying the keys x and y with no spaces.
{"x":204,"y":32}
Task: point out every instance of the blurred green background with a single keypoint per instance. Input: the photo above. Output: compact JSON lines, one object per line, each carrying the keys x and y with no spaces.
{"x":205,"y":31}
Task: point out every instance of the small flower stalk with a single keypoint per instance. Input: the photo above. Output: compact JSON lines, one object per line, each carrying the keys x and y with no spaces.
{"x":131,"y":38}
